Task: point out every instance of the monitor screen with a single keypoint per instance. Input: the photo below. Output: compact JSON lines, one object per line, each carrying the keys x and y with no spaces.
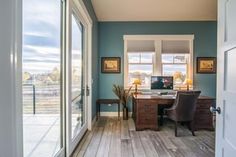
{"x":162,"y":82}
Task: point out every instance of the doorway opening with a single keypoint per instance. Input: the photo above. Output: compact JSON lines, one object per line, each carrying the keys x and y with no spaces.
{"x":55,"y":87}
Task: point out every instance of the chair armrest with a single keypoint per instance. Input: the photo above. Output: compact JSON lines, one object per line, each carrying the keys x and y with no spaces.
{"x":171,"y":113}
{"x":171,"y":108}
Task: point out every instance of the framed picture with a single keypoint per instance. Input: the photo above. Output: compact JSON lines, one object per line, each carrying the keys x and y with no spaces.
{"x":206,"y":65}
{"x":110,"y":65}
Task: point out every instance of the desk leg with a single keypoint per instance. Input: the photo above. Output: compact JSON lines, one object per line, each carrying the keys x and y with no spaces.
{"x":119,"y":111}
{"x":99,"y":109}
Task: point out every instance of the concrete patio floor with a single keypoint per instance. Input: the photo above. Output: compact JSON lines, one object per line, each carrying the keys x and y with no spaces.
{"x":41,"y":134}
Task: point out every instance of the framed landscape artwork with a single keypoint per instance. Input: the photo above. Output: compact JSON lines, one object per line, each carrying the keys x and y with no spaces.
{"x":110,"y":65}
{"x":206,"y":65}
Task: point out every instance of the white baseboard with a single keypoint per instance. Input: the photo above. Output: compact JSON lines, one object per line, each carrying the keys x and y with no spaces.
{"x":93,"y":122}
{"x":113,"y":114}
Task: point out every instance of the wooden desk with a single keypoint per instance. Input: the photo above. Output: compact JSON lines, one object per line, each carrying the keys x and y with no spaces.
{"x":145,"y":111}
{"x":107,"y":101}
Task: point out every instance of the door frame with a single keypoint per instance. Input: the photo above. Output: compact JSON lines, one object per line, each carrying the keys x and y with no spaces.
{"x":79,"y":10}
{"x":18,"y":82}
{"x":87,"y":23}
{"x":16,"y":66}
{"x":16,"y":79}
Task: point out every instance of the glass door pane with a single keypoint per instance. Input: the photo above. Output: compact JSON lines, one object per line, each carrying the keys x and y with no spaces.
{"x":42,"y":119}
{"x":77,"y":81}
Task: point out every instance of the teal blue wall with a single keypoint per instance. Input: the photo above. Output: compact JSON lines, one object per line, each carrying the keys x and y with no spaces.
{"x":111,"y":44}
{"x":95,"y":55}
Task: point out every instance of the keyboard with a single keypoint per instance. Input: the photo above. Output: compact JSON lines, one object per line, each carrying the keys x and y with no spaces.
{"x":167,"y":95}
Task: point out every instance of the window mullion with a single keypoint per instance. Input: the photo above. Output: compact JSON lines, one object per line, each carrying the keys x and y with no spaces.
{"x":158,"y":65}
{"x":140,"y":57}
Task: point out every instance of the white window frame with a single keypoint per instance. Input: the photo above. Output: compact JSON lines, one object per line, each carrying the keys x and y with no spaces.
{"x":140,"y":63}
{"x":181,"y":86}
{"x":157,"y":69}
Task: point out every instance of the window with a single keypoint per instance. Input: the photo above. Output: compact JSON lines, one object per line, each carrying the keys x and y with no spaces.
{"x":175,"y":65}
{"x":166,"y":55}
{"x":42,"y":82}
{"x":140,"y":65}
{"x":77,"y":106}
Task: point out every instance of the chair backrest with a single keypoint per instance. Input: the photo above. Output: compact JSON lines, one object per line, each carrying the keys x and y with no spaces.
{"x":185,"y":105}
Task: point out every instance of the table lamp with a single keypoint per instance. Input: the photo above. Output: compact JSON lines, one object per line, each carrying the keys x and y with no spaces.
{"x":188,"y":82}
{"x":136,"y":83}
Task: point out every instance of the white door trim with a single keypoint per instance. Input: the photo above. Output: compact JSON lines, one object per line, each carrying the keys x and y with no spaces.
{"x":16,"y":70}
{"x":78,"y":8}
{"x":16,"y":78}
{"x":87,"y":21}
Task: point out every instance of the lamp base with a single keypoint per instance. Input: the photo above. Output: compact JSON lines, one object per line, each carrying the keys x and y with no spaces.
{"x":187,"y":87}
{"x":137,"y":93}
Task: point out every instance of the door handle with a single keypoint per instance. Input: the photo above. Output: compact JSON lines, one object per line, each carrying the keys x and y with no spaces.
{"x":87,"y":90}
{"x":214,"y":110}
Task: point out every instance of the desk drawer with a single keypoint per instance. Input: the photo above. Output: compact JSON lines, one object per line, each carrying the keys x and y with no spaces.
{"x":203,"y":122}
{"x":202,"y":112}
{"x":146,"y":109}
{"x":205,"y":103}
{"x":148,"y":120}
{"x":147,"y":102}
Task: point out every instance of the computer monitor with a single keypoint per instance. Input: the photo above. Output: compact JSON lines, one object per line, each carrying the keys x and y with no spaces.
{"x":162,"y":82}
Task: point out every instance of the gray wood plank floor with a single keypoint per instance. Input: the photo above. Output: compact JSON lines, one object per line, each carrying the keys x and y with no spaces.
{"x":113,"y":138}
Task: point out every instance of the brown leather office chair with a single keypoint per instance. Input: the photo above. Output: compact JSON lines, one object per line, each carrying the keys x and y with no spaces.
{"x":184,"y":108}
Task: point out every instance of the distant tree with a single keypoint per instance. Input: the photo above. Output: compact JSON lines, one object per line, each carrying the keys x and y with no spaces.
{"x":179,"y":77}
{"x":26,"y":76}
{"x":76,"y":74}
{"x":54,"y":75}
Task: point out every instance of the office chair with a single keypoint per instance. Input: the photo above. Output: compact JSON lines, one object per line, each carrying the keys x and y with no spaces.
{"x":183,"y":109}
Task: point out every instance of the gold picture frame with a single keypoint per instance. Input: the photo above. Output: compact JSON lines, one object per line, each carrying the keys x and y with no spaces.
{"x":206,"y":65}
{"x":110,"y":64}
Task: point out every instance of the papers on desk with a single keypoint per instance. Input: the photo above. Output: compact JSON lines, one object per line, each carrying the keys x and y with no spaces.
{"x":168,"y":96}
{"x":147,"y":93}
{"x":163,"y":96}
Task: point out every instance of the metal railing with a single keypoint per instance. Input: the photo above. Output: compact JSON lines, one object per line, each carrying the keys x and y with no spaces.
{"x":34,"y":96}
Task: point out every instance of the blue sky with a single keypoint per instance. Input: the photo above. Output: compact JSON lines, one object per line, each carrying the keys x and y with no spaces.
{"x":41,"y":35}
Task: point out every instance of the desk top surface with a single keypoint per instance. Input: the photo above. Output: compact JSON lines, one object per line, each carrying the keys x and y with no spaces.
{"x":172,"y":97}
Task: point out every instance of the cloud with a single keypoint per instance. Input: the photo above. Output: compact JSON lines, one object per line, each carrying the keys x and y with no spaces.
{"x":40,"y":59}
{"x":41,"y":41}
{"x":42,"y":35}
{"x":76,"y":34}
{"x":41,"y":22}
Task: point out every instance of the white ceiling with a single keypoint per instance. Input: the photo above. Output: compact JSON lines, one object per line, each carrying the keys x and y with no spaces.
{"x":155,"y":10}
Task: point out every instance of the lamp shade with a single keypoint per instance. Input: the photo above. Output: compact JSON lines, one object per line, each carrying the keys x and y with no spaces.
{"x":188,"y":81}
{"x":137,"y":82}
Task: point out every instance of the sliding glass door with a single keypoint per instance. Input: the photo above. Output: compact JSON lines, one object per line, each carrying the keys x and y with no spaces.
{"x":77,"y":79}
{"x":41,"y":71}
{"x":55,"y":77}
